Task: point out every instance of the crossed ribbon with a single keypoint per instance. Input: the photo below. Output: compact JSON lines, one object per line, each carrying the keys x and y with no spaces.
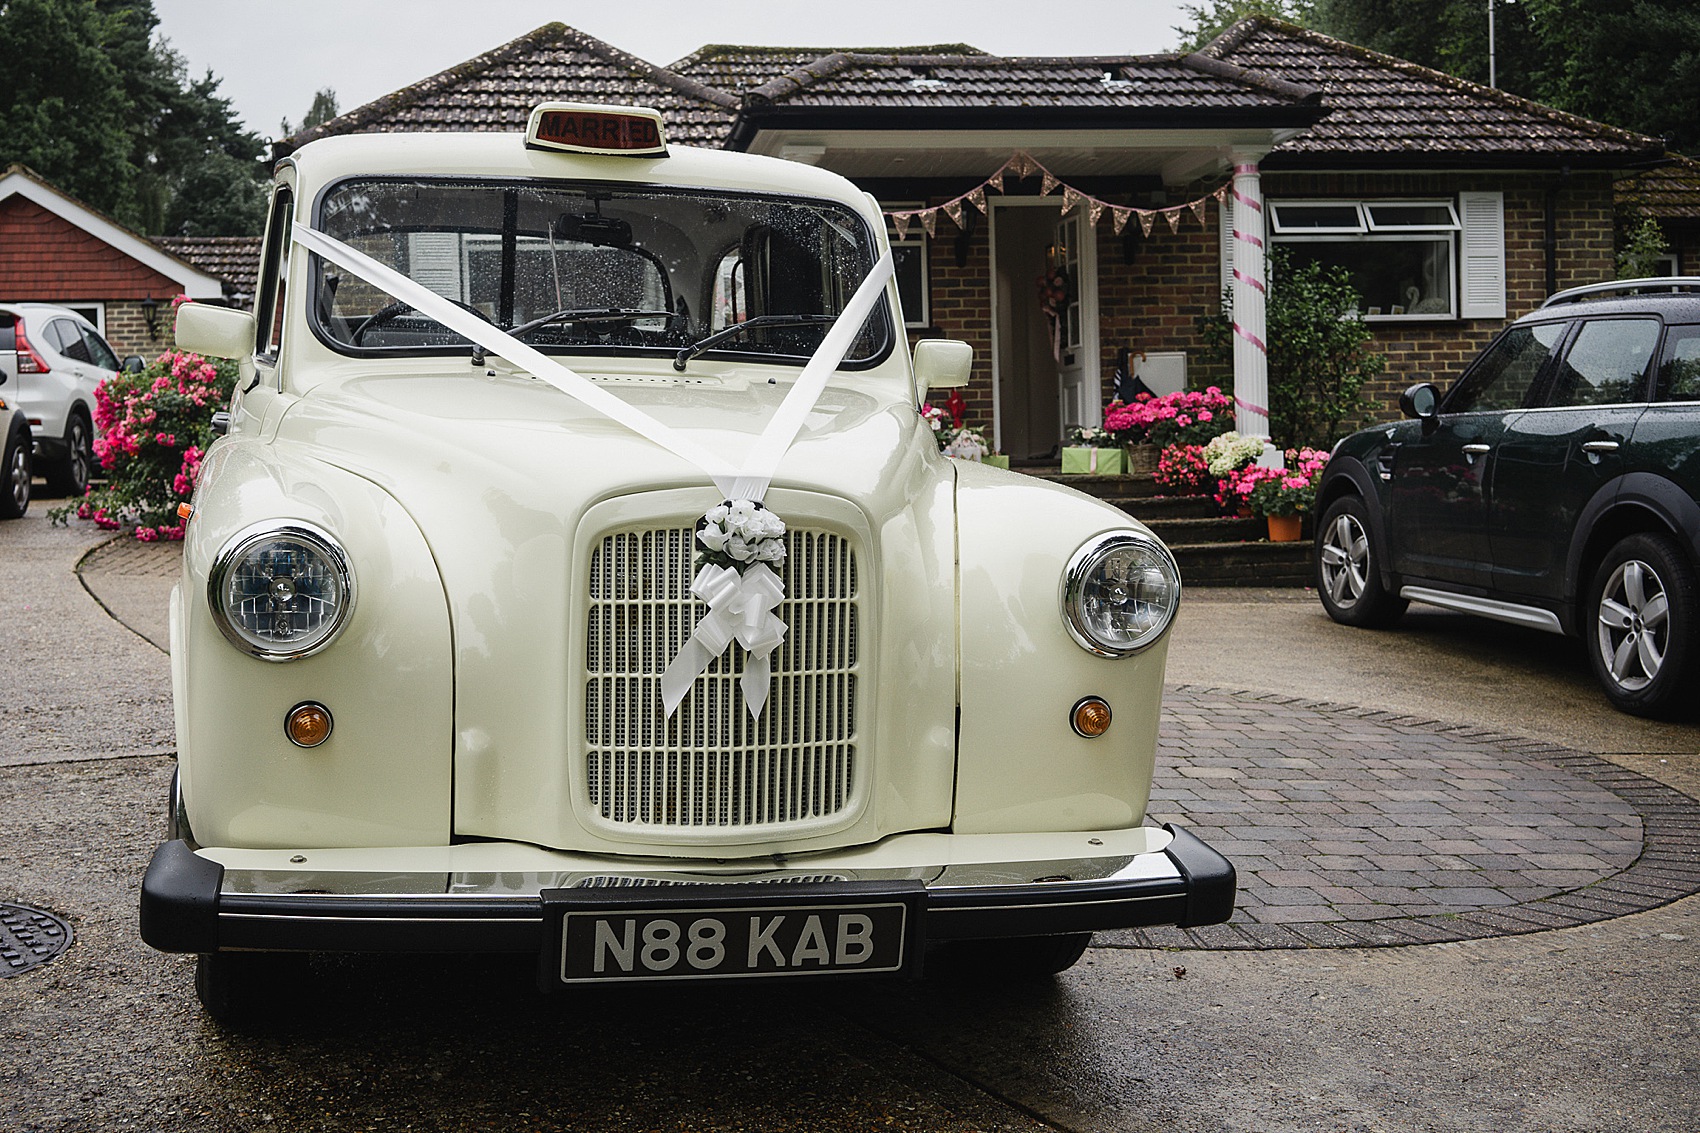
{"x":740,"y":608}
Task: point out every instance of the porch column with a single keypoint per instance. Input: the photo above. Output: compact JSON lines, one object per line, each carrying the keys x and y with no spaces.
{"x":1251,"y":362}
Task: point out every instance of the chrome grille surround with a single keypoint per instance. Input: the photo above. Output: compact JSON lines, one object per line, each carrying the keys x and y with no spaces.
{"x":711,"y":770}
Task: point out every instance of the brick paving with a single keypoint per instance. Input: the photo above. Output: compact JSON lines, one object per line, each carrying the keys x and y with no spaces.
{"x":1351,"y":827}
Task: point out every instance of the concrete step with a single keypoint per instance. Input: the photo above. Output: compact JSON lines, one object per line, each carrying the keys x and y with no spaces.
{"x":1149,"y":508}
{"x":1191,"y":531}
{"x":1245,"y":564}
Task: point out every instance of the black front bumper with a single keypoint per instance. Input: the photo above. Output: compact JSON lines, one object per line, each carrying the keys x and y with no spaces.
{"x":187,"y":906}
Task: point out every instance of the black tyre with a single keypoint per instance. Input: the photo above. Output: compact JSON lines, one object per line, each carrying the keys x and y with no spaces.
{"x":69,"y":475}
{"x":15,"y":473}
{"x":1016,"y":958}
{"x":1639,"y":626}
{"x":1348,"y":577}
{"x":245,"y":990}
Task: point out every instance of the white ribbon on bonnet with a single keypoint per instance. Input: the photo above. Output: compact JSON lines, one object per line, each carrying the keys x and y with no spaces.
{"x":740,"y":606}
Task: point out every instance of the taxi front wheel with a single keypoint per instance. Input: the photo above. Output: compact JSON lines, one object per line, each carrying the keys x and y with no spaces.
{"x":1640,"y":625}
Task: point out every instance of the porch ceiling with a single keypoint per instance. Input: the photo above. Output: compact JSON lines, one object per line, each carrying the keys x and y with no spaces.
{"x":1175,"y":156}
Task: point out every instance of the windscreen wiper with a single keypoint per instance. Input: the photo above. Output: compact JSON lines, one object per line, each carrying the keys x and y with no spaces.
{"x":737,"y":329}
{"x":590,"y":315}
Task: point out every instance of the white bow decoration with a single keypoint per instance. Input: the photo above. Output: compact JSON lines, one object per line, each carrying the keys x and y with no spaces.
{"x":740,"y":606}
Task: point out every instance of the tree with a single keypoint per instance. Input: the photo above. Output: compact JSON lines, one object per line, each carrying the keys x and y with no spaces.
{"x":1633,"y":64}
{"x":1319,"y":356}
{"x":64,"y":111}
{"x":1641,"y":250}
{"x":116,"y":121}
{"x":322,"y":111}
{"x":1212,"y":18}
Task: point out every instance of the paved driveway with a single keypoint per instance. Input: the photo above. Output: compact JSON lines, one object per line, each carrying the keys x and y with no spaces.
{"x":1450,"y":782}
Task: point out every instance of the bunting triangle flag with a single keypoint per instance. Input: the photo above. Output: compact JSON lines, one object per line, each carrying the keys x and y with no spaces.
{"x":1120,"y":216}
{"x":1095,"y":212}
{"x":1049,"y":184}
{"x":977,"y":198}
{"x":929,"y":220}
{"x":900,"y":220}
{"x":954,"y":210}
{"x":1173,"y":216}
{"x":1198,"y":209}
{"x":1145,"y":219}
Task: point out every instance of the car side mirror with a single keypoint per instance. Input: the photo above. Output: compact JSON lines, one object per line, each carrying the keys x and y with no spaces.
{"x":1421,"y":401}
{"x":215,"y":332}
{"x":133,"y":364}
{"x":942,"y":363}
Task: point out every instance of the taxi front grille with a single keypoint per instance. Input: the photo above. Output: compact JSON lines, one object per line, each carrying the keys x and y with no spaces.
{"x":711,"y":765}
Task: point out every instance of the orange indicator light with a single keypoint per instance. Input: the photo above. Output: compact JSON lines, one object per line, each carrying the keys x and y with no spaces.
{"x":308,"y":724}
{"x":1091,"y":717}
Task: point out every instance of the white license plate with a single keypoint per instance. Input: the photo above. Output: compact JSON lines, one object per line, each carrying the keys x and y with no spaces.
{"x":593,"y":939}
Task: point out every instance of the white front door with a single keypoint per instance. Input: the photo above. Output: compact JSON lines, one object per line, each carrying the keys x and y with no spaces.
{"x":1072,"y":252}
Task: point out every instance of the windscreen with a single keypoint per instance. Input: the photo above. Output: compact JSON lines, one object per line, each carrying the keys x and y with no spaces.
{"x":597,"y":268}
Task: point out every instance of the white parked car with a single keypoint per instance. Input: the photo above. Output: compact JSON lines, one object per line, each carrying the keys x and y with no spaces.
{"x":579,"y":578}
{"x":53,"y":359}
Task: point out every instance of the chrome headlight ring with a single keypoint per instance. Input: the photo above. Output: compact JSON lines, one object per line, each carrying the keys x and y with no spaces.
{"x":1120,"y":593}
{"x":281,"y":590}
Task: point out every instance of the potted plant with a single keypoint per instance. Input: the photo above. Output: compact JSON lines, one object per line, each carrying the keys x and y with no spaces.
{"x":1283,"y":496}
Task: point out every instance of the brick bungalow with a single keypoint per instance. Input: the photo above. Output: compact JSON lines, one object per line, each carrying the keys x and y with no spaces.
{"x":1155,"y":182}
{"x":55,"y":249}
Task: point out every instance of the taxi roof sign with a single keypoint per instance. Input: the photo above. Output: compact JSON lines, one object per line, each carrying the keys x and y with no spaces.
{"x":577,"y":127}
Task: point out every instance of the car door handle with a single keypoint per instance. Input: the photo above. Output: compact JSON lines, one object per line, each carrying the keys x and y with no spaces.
{"x":1599,"y":446}
{"x":1478,"y":450}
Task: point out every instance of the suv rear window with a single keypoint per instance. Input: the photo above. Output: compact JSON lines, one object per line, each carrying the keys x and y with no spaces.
{"x":1608,"y":364}
{"x":1679,"y":369}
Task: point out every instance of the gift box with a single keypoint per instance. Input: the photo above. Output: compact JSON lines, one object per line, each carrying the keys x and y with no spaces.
{"x":1086,"y":461}
{"x":995,"y":459}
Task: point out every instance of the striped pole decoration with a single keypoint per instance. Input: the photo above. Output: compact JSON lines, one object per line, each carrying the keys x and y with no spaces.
{"x":1250,"y":290}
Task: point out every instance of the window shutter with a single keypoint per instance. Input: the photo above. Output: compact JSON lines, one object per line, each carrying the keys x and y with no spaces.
{"x":1483,"y":216}
{"x":1225,"y":209}
{"x":434,"y":262}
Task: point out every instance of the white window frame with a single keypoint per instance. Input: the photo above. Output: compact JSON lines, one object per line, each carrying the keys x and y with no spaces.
{"x":1368,"y":230}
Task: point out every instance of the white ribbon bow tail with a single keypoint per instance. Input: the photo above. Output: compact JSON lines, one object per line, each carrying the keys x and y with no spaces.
{"x":740,"y":608}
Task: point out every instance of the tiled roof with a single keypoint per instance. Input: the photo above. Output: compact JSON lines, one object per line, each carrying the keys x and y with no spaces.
{"x":497,"y":90}
{"x":1670,"y":193}
{"x":965,"y":82}
{"x":1389,"y":110}
{"x":732,"y":67}
{"x":233,"y":259}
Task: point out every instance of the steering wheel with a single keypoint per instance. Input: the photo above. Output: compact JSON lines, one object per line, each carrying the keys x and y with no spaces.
{"x":384,"y":314}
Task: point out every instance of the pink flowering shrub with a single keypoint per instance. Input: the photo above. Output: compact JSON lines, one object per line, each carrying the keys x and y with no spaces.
{"x":1188,"y":417}
{"x":1275,"y":491}
{"x":1183,"y":471}
{"x":154,"y":427}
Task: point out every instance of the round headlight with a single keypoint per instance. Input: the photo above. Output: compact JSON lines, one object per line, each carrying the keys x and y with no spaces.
{"x":1120,"y":593}
{"x":281,"y":591}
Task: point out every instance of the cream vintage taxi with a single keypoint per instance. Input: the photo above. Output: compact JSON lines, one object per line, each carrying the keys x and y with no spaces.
{"x":578,"y":578}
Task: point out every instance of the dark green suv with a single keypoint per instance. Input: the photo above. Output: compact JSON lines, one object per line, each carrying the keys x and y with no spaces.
{"x":1554,"y":486}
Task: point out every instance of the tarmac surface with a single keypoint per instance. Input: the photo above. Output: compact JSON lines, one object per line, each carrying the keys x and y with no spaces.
{"x":1466,"y":903}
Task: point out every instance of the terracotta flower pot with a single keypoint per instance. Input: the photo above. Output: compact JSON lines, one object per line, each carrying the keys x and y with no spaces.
{"x":1285,"y":528}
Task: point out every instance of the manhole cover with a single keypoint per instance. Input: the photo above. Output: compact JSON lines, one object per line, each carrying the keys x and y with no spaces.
{"x":29,"y":938}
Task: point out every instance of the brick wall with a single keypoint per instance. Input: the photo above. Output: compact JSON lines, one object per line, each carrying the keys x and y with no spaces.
{"x":127,"y":328}
{"x":1152,"y":290}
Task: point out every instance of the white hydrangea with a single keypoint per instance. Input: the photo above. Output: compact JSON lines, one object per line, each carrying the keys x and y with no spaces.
{"x":1229,"y":452}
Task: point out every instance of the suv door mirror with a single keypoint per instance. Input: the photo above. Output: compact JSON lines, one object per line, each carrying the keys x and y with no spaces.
{"x":942,"y":363}
{"x":215,"y":332}
{"x":1421,"y":401}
